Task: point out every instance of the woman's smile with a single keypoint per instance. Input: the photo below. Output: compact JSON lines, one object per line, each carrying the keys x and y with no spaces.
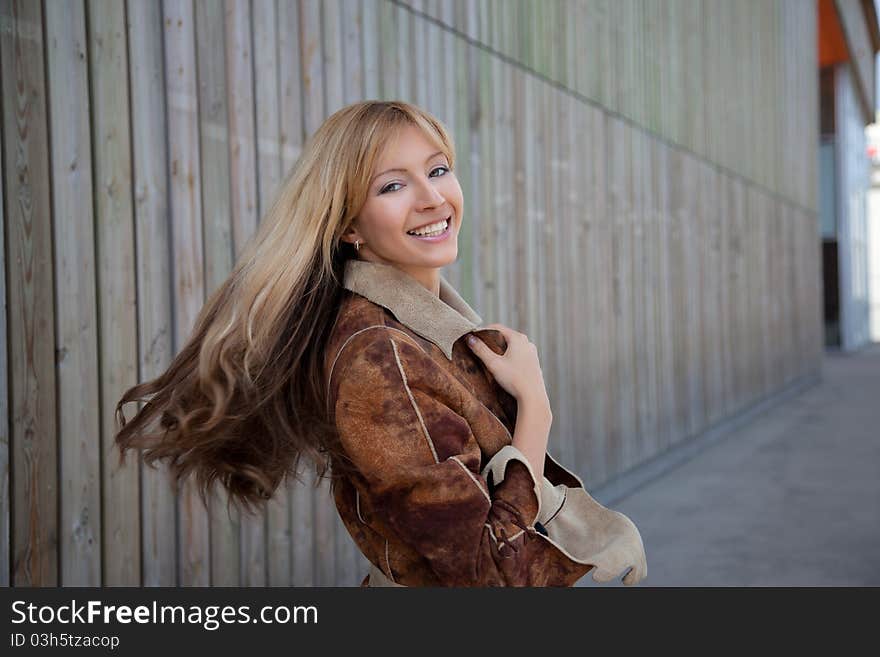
{"x":434,"y":232}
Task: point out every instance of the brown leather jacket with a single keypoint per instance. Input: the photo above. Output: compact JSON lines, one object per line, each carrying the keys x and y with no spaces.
{"x":440,"y":496}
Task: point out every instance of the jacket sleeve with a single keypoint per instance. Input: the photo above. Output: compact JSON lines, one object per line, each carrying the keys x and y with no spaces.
{"x":420,"y":468}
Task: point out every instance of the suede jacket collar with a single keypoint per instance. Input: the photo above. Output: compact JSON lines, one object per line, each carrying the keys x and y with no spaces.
{"x":442,"y":320}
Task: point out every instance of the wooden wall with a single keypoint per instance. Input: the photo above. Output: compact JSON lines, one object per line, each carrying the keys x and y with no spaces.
{"x":640,"y":185}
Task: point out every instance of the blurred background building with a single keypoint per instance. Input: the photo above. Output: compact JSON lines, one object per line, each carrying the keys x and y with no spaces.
{"x":848,"y":42}
{"x":646,"y":174}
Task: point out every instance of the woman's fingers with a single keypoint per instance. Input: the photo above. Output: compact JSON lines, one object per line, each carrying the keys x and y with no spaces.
{"x":480,"y":348}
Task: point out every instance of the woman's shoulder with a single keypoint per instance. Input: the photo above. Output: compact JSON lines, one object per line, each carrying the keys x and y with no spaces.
{"x":362,"y":331}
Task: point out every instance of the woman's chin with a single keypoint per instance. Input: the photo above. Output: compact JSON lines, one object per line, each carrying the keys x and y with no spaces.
{"x":441,"y":257}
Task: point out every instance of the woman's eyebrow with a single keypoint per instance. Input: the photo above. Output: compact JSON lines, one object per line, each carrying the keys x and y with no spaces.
{"x":390,"y":170}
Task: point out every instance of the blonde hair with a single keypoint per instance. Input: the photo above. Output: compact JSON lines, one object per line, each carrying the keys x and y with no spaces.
{"x":243,"y":400}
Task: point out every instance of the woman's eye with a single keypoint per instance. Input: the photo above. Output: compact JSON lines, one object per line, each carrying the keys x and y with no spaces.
{"x":387,"y":188}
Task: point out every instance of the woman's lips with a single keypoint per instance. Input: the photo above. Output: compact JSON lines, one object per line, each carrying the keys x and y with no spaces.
{"x":436,"y":238}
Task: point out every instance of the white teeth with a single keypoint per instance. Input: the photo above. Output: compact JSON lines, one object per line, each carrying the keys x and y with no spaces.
{"x":433,"y":229}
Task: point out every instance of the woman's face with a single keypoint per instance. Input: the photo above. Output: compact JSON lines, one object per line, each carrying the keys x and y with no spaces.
{"x":411,"y":188}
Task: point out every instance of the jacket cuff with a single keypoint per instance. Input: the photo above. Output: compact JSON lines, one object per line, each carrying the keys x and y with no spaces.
{"x":589,"y":533}
{"x":552,"y":500}
{"x":497,"y":467}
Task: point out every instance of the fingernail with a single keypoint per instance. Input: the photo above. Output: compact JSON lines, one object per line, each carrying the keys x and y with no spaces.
{"x":471,"y":339}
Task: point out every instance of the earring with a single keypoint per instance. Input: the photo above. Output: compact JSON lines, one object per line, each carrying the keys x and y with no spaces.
{"x":357,"y":245}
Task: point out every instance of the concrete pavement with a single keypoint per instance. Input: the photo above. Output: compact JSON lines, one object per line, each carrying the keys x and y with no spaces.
{"x":791,"y":498}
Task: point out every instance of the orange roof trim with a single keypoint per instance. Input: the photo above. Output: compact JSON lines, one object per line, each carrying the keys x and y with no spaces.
{"x":832,"y":43}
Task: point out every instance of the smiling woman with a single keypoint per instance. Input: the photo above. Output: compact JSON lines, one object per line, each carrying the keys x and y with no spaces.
{"x":412,"y":212}
{"x":336,"y":339}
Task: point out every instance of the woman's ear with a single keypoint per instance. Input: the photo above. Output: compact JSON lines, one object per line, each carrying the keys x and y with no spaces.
{"x":350,"y":235}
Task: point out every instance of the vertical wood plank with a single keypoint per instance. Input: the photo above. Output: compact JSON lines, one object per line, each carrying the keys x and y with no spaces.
{"x":789,"y":296}
{"x":418,"y":53}
{"x":713,"y":316}
{"x":292,"y":138}
{"x":636,"y":38}
{"x":518,"y":245}
{"x":507,"y":181}
{"x":736,"y":292}
{"x":76,"y":316}
{"x":777,"y":262}
{"x":154,"y":266}
{"x":225,"y":522}
{"x":267,"y":104}
{"x":353,"y":59}
{"x":691,"y":281}
{"x":314,"y":89}
{"x":802,"y":300}
{"x":30,"y":271}
{"x":653,"y":346}
{"x":331,"y":62}
{"x":371,"y":53}
{"x":403,"y":49}
{"x":764,"y":256}
{"x":108,"y":66}
{"x":603,"y":376}
{"x":530,"y":287}
{"x":772,"y":290}
{"x":739,"y":293}
{"x":751,"y":298}
{"x":551,"y":231}
{"x":448,"y":112}
{"x":575,"y":194}
{"x":726,"y":285}
{"x":570,"y":281}
{"x":433,"y":76}
{"x":486,"y":170}
{"x":708,"y":90}
{"x":242,"y":130}
{"x":565,"y":281}
{"x":622,"y":414}
{"x":269,"y":176}
{"x":640,"y":290}
{"x":334,"y":93}
{"x":291,"y":90}
{"x":668,"y":392}
{"x":758,"y":292}
{"x":244,"y":188}
{"x":185,"y":208}
{"x":475,"y":192}
{"x":677,"y":92}
{"x":386,"y":43}
{"x":678,"y":285}
{"x":627,"y":382}
{"x":667,"y":77}
{"x":702,"y":290}
{"x":462,"y":268}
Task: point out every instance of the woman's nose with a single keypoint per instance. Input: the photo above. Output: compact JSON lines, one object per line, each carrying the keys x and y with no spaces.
{"x":429,"y":194}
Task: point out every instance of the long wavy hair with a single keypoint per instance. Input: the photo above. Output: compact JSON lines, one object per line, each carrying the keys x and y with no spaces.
{"x":245,"y":399}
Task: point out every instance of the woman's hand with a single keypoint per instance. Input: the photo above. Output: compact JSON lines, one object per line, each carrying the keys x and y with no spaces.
{"x":517,"y":370}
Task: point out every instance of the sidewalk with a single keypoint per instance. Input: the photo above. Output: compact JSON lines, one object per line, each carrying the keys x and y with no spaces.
{"x":790,"y":499}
